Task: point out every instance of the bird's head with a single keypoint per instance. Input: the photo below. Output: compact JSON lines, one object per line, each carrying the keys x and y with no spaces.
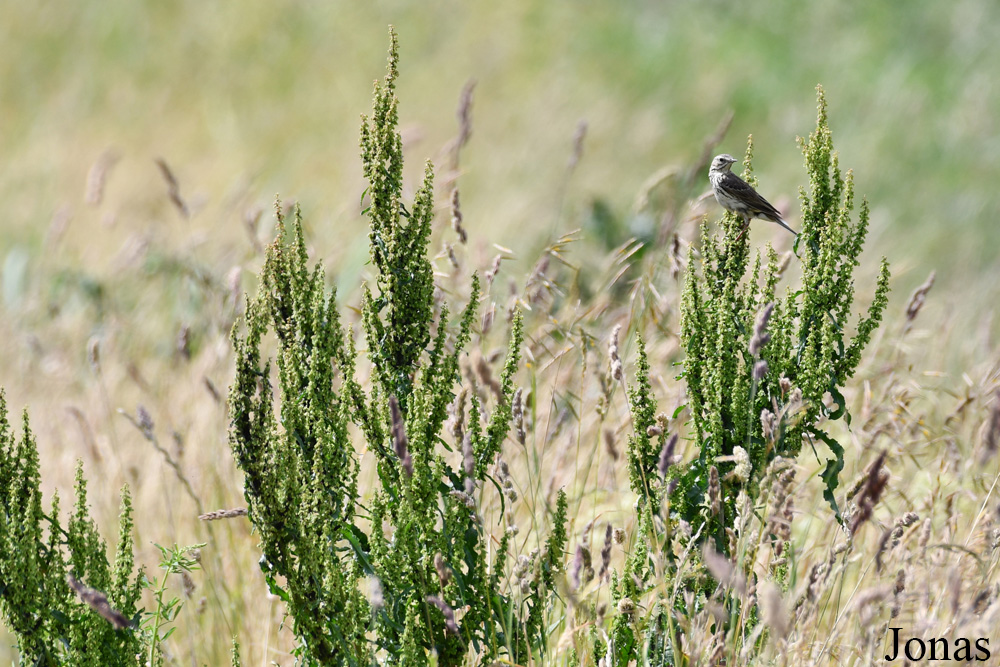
{"x":723,"y":162}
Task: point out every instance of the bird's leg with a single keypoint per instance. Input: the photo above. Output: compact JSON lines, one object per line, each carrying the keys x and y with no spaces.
{"x":746,"y":226}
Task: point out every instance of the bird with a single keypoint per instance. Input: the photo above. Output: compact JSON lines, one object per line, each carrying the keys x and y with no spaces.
{"x":736,"y":195}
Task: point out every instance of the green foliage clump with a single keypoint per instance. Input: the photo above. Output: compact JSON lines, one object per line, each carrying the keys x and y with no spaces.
{"x":758,"y":365}
{"x":301,"y":478}
{"x":419,"y":539}
{"x":764,"y":374}
{"x":556,"y":544}
{"x":646,"y":441}
{"x":42,"y":562}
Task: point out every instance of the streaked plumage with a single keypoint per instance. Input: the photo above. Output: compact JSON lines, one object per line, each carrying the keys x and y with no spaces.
{"x":736,"y":195}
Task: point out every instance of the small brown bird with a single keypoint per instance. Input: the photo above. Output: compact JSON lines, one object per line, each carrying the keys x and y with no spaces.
{"x":738,"y":196}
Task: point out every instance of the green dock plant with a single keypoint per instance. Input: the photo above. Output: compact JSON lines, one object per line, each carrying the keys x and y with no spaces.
{"x":764,"y":371}
{"x":417,"y":541}
{"x":62,"y":599}
{"x":758,"y":365}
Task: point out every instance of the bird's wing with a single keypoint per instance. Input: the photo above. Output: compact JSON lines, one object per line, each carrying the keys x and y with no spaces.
{"x":745,"y":193}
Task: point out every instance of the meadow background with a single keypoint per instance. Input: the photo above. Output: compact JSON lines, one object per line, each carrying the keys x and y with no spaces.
{"x":113,"y":301}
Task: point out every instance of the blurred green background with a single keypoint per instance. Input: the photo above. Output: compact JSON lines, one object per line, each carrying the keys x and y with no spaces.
{"x":245,"y":100}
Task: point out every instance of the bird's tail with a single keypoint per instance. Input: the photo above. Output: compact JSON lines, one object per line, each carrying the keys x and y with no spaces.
{"x":782,"y":223}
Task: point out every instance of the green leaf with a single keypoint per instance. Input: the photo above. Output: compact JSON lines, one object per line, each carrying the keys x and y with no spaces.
{"x":840,"y":402}
{"x":359,"y":543}
{"x":831,"y":473}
